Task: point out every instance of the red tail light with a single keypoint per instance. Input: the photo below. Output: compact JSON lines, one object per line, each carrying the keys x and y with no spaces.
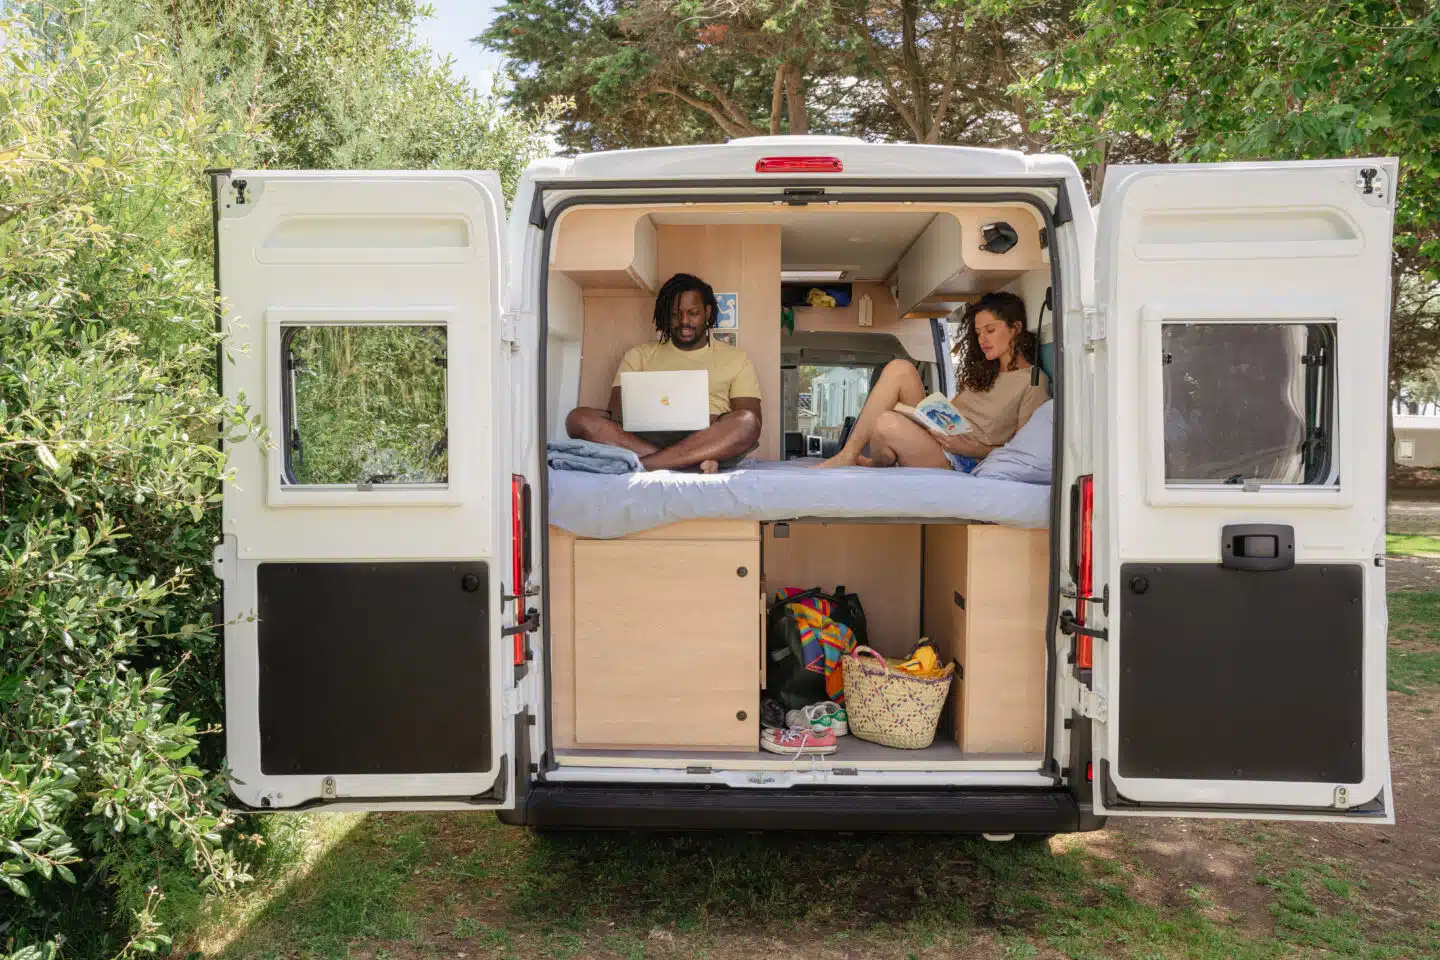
{"x":1089,"y":772}
{"x":1085,"y":576}
{"x":519,"y":559}
{"x":799,"y":165}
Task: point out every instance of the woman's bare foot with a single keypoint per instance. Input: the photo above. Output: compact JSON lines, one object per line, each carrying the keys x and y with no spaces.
{"x":709,"y":466}
{"x":840,"y":460}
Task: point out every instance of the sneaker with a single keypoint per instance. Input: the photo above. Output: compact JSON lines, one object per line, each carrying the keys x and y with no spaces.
{"x":772,"y":713}
{"x":819,"y":717}
{"x":800,"y":740}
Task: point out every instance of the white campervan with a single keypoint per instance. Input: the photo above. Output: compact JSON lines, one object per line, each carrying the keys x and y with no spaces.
{"x":1189,"y":619}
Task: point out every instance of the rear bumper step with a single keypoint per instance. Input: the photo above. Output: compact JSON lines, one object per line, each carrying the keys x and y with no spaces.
{"x":632,"y":806}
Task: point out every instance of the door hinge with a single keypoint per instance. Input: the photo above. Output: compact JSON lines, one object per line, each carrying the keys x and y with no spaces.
{"x":1093,"y":706}
{"x":226,"y":559}
{"x":510,"y":330}
{"x":1094,"y":325}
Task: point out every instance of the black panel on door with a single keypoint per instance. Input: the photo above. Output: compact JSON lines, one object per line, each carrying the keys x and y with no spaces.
{"x":374,"y":668}
{"x":1240,"y":674}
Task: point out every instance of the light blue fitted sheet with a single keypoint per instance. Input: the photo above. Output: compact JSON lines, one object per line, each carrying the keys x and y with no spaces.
{"x":592,"y":505}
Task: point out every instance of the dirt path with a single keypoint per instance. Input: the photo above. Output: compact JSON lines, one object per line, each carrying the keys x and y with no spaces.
{"x":1414,"y":513}
{"x":1412,"y":573}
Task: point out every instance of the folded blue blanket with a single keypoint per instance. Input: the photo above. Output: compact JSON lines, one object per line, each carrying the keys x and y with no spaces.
{"x":586,"y":457}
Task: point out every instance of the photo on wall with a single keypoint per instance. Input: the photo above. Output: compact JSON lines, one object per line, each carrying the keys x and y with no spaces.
{"x":728,"y":337}
{"x":729,"y":311}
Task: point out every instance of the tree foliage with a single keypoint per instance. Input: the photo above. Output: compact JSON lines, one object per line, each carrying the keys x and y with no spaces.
{"x":111,"y":785}
{"x":1272,"y":80}
{"x":656,"y":72}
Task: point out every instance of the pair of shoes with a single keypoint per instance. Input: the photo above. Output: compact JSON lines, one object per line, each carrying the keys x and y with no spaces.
{"x":797,"y":740}
{"x":820,"y":717}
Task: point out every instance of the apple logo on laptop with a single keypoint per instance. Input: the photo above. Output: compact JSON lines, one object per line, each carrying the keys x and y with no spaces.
{"x":665,"y":400}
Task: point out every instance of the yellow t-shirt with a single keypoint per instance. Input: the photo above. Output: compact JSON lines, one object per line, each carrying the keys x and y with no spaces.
{"x":731,"y":374}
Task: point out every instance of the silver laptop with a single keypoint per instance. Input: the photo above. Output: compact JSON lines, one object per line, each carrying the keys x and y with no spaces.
{"x":665,"y":400}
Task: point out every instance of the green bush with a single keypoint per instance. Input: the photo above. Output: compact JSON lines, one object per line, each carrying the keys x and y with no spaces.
{"x":109,"y":468}
{"x":112,"y":795}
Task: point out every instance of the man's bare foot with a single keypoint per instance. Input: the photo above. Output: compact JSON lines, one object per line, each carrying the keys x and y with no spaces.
{"x":864,"y":462}
{"x":709,"y":466}
{"x":840,"y":460}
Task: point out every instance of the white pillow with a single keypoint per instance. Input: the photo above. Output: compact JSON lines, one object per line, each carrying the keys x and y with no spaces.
{"x":1026,"y":458}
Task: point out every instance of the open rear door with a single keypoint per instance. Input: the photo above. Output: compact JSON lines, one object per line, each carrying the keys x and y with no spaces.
{"x":363,"y":545}
{"x":1240,"y":345}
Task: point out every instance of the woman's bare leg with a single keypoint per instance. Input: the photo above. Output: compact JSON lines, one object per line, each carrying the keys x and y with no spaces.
{"x":899,"y":383}
{"x":900,"y":441}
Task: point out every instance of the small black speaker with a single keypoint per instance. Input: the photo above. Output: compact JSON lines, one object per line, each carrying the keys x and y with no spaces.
{"x":999,"y":237}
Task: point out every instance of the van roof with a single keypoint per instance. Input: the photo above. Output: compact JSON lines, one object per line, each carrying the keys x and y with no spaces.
{"x":736,"y":159}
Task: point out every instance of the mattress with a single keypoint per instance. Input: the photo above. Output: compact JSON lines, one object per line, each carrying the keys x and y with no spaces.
{"x":598,"y":506}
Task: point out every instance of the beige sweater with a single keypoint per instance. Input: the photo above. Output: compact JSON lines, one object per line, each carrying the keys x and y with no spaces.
{"x":1000,"y":411}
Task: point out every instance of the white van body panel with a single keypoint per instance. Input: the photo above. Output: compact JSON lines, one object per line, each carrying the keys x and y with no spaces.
{"x":388,"y":248}
{"x":1114,"y":293}
{"x":1262,"y":243}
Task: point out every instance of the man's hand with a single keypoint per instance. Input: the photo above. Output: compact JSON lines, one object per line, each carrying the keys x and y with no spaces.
{"x":962,"y":445}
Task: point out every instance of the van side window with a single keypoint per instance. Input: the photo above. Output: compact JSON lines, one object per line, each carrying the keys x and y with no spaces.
{"x":1248,"y":402}
{"x":365,"y":404}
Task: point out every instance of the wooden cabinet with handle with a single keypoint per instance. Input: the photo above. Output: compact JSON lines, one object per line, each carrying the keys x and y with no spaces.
{"x":665,"y":639}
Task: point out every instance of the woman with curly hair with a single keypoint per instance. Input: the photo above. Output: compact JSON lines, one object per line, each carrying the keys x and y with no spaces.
{"x":999,"y":390}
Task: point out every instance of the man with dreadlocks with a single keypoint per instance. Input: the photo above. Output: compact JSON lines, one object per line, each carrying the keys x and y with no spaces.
{"x":685,"y":313}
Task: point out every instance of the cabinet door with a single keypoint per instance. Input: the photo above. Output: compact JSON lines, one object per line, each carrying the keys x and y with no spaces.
{"x":665,"y":640}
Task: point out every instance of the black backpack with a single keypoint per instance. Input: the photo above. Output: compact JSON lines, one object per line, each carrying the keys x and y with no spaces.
{"x":786,"y":678}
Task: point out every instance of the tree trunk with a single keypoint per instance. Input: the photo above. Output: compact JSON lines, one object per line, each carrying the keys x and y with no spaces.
{"x":1097,"y":172}
{"x":795,"y":102}
{"x":776,"y":92}
{"x":915,"y":72}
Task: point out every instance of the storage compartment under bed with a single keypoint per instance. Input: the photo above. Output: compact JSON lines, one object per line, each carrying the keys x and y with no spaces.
{"x":657,"y":639}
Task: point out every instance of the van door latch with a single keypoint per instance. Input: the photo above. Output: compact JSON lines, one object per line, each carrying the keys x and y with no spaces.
{"x":510,"y":330}
{"x":1070,"y":628}
{"x":1094,"y":325}
{"x":1093,"y":706}
{"x":530,"y":624}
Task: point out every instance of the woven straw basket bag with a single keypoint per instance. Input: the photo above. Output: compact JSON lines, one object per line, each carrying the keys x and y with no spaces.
{"x":888,"y":706}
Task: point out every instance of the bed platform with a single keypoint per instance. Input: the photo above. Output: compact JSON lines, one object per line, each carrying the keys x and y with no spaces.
{"x":604,"y":507}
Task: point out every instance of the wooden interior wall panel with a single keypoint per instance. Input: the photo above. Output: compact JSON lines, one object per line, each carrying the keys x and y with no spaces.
{"x":745,"y":260}
{"x":943,"y":620}
{"x":878,"y":561}
{"x":615,"y":321}
{"x":562,"y":637}
{"x":1004,"y":650}
{"x":702,"y":530}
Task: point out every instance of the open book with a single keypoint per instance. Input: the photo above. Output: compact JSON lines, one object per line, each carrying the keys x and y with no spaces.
{"x":937,"y":414}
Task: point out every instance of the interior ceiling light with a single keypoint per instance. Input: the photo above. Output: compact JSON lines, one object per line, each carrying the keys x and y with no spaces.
{"x":811,"y":276}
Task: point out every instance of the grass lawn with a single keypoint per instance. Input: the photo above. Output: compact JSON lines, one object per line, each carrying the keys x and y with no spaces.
{"x":1411,"y":545}
{"x":461,"y":885}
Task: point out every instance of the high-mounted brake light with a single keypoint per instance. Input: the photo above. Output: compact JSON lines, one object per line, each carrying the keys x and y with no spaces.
{"x":799,"y":165}
{"x":1085,"y":575}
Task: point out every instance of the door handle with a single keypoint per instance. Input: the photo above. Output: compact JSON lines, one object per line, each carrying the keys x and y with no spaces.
{"x":1257,"y":546}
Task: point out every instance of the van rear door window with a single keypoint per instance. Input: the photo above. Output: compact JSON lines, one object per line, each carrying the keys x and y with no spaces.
{"x":1248,"y":403}
{"x":365,"y":405}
